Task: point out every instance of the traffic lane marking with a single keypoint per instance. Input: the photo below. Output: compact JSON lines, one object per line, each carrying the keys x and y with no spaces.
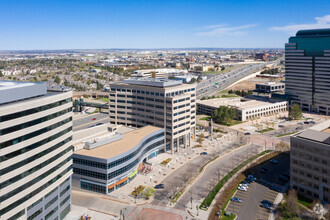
{"x":270,"y":198}
{"x":271,"y":193}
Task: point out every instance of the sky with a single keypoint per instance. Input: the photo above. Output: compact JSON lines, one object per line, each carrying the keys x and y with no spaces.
{"x":105,"y":24}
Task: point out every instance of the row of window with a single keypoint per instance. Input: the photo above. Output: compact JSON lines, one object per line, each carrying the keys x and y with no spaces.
{"x":179,"y":92}
{"x":34,"y":122}
{"x":119,"y":161}
{"x":34,"y":134}
{"x":51,"y":202}
{"x":93,"y":187}
{"x":35,"y":192}
{"x":28,"y":148}
{"x":33,"y":181}
{"x":118,"y":172}
{"x":34,"y":169}
{"x":38,"y":212}
{"x":137,"y":91}
{"x":49,"y":214}
{"x":34,"y":110}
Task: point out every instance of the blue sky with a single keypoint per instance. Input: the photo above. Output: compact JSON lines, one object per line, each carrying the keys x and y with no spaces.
{"x":93,"y":24}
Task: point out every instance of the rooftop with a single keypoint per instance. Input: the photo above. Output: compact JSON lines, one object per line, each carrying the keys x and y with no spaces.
{"x":219,"y":101}
{"x":129,"y":141}
{"x":314,"y":33}
{"x":271,"y":83}
{"x":155,"y":82}
{"x":319,"y":133}
{"x":12,"y":91}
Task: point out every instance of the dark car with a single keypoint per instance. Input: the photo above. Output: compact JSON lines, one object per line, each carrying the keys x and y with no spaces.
{"x":266,"y":202}
{"x":283,"y":178}
{"x":247,"y":133}
{"x":160,"y":186}
{"x":203,"y":153}
{"x":275,"y":188}
{"x":274,"y":161}
{"x":236,"y":199}
{"x":246,"y":182}
{"x":263,"y":169}
{"x":306,"y":122}
{"x":263,"y":205}
{"x":287,"y":175}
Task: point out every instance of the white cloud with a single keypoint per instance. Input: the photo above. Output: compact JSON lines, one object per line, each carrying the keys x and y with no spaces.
{"x":222,"y":30}
{"x":321,"y":22}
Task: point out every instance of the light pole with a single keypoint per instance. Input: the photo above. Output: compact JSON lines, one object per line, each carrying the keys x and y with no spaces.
{"x":191,"y":199}
{"x":197,"y":209}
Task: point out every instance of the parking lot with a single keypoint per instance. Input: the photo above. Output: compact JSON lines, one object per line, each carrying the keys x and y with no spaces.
{"x":249,"y":207}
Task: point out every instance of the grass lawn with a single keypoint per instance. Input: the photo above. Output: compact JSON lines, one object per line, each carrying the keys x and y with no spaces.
{"x":231,"y":217}
{"x":281,"y":135}
{"x":266,"y":130}
{"x":205,"y":118}
{"x":304,"y":201}
{"x":212,"y":72}
{"x":103,"y":99}
{"x":229,"y":96}
{"x":234,"y":122}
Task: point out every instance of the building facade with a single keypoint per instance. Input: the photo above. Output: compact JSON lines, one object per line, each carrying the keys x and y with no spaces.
{"x":310,"y":162}
{"x":307,"y":70}
{"x":270,"y":87}
{"x":168,"y":104}
{"x":110,"y":163}
{"x":35,"y":151}
{"x":246,"y":109}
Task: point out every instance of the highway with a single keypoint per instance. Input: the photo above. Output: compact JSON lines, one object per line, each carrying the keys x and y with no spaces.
{"x":208,"y":87}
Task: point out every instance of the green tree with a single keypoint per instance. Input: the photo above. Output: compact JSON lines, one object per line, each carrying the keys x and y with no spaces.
{"x":295,"y":112}
{"x":199,"y":79}
{"x":193,"y":80}
{"x":57,"y":80}
{"x":1,"y":75}
{"x":232,"y":113}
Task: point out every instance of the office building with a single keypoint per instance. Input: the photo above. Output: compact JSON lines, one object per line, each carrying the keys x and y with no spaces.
{"x":35,"y":151}
{"x":307,"y":70}
{"x":163,"y":103}
{"x":247,"y":109}
{"x":270,"y":87}
{"x":310,"y":162}
{"x":108,"y":162}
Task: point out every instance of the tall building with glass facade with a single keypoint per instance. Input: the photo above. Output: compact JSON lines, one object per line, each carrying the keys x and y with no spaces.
{"x":163,"y":103}
{"x":307,"y":70}
{"x":35,"y":151}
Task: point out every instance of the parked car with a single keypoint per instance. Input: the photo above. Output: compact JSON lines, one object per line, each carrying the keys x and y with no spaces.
{"x":306,"y":122}
{"x":247,"y":133}
{"x":287,"y":175}
{"x":263,"y":205}
{"x":203,"y":153}
{"x":274,"y":161}
{"x":242,"y":188}
{"x":301,"y":123}
{"x":246,"y":183}
{"x":263,"y":169}
{"x":159,"y":186}
{"x":266,"y":202}
{"x":275,"y":188}
{"x":243,"y":185}
{"x":283,"y":178}
{"x":251,"y":177}
{"x":236,"y":199}
{"x":93,"y":119}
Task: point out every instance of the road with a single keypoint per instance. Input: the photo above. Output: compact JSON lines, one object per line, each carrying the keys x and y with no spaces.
{"x":87,"y":121}
{"x":208,"y":87}
{"x":206,"y":181}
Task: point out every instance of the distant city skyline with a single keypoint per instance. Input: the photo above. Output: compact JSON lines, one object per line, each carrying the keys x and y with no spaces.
{"x":42,"y":25}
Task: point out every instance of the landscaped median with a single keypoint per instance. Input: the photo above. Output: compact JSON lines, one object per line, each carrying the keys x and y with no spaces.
{"x":209,"y":198}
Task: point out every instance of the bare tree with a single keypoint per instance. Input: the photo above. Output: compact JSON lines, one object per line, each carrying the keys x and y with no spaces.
{"x":282,"y":147}
{"x":292,"y":204}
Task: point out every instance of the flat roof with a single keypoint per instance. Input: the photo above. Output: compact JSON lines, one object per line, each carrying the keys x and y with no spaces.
{"x":155,"y":82}
{"x":270,"y":84}
{"x":129,"y":141}
{"x":319,"y":133}
{"x":253,"y":103}
{"x":219,"y":101}
{"x":12,"y":91}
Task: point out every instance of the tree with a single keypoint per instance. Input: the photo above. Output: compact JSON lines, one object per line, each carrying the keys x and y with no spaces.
{"x":57,"y":80}
{"x":148,"y":192}
{"x":232,"y":113}
{"x":193,"y":80}
{"x":199,"y":79}
{"x":295,"y":112}
{"x":292,"y":204}
{"x":282,"y":146}
{"x":1,"y":75}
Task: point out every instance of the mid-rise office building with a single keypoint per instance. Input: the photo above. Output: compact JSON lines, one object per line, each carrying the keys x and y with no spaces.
{"x":164,"y":103}
{"x":113,"y":159}
{"x":35,"y":151}
{"x":270,"y":87}
{"x":310,"y":162}
{"x":307,"y":70}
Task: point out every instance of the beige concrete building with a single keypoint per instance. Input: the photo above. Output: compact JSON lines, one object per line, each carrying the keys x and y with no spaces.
{"x":168,"y":104}
{"x":310,"y":162}
{"x":247,"y":109}
{"x":35,"y":151}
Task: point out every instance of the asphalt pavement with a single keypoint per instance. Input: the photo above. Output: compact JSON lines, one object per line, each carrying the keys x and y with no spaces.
{"x":260,"y":190}
{"x":87,"y":121}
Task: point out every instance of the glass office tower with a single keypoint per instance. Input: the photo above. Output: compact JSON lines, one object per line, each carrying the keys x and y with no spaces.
{"x":307,"y":69}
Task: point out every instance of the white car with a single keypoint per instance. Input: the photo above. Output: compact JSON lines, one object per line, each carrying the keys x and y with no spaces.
{"x":242,"y":188}
{"x":243,"y":185}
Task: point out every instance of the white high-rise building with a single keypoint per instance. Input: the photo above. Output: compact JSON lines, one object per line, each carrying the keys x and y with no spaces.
{"x":35,"y":151}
